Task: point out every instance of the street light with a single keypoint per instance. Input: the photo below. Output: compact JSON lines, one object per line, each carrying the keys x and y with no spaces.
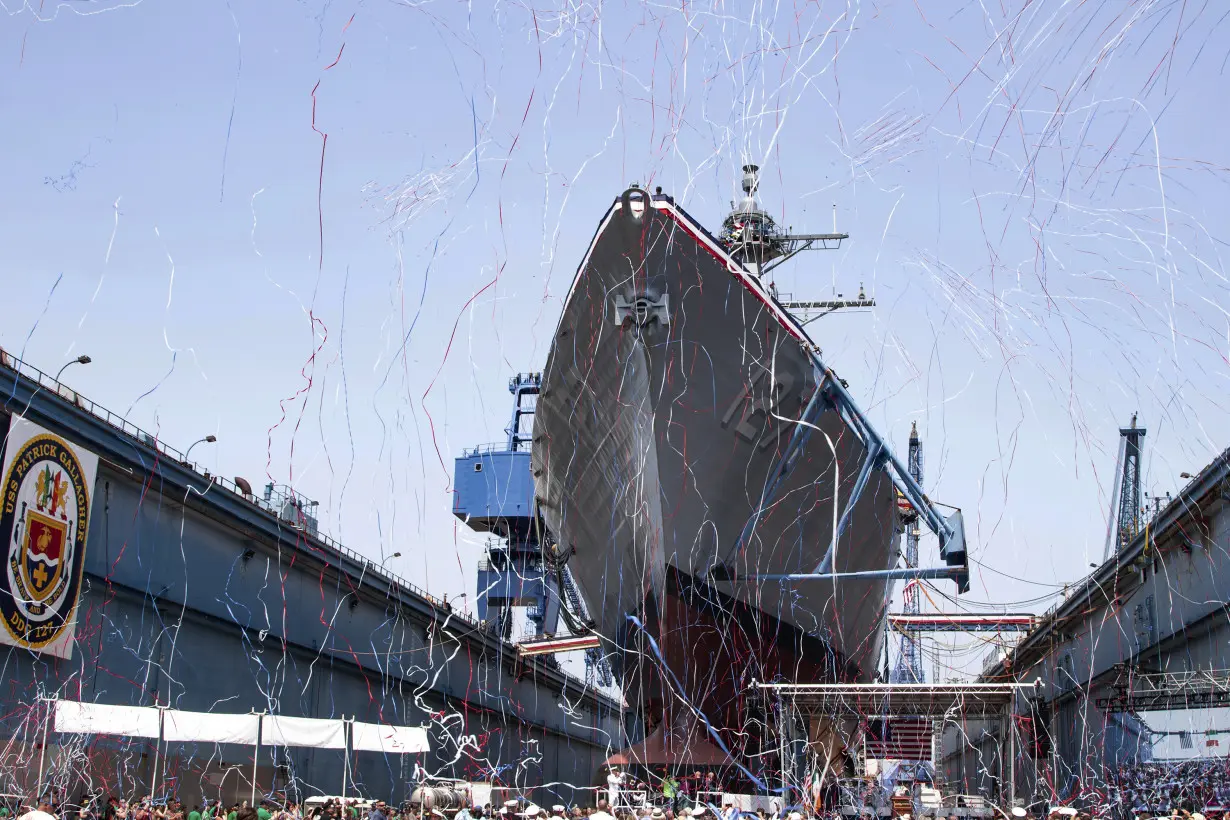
{"x":82,"y":359}
{"x":387,"y":557}
{"x":209,"y":439}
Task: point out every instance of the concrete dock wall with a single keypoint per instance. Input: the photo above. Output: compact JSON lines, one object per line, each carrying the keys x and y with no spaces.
{"x":198,"y":598}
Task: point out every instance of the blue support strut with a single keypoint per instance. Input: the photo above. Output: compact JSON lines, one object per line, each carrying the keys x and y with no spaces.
{"x":874,"y":454}
{"x":950,"y":539}
{"x":949,"y":531}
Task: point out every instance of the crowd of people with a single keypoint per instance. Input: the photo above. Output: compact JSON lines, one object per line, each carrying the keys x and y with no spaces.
{"x":339,"y":809}
{"x":1193,"y":790}
{"x":1162,"y":788}
{"x":603,"y":811}
{"x":115,"y":808}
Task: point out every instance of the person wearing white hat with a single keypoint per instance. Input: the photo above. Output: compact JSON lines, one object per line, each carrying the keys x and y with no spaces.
{"x":38,"y":814}
{"x":794,"y":815}
{"x":530,"y":811}
{"x":658,"y":814}
{"x":558,"y":811}
{"x":699,"y":810}
{"x":1017,"y":811}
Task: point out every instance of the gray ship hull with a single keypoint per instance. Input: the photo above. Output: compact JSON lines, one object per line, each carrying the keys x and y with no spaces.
{"x":674,"y":386}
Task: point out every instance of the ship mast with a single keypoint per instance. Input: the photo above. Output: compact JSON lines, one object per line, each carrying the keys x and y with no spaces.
{"x":756,"y":241}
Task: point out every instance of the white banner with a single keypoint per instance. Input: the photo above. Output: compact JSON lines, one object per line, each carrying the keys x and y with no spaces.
{"x":102,"y":719}
{"x":374,"y":737}
{"x":45,"y":502}
{"x":205,"y":727}
{"x":311,"y":732}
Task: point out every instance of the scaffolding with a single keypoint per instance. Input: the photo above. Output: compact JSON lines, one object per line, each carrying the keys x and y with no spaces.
{"x":1164,"y":691}
{"x":959,"y":622}
{"x":936,"y":701}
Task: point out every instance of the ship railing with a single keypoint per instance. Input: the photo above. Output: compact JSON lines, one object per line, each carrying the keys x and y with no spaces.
{"x":66,"y":393}
{"x":485,"y":449}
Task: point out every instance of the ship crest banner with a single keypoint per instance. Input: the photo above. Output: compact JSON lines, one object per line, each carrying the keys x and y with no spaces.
{"x":45,"y":505}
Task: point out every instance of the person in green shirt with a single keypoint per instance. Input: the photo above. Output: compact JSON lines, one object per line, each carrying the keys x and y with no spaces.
{"x":195,"y":814}
{"x":231,"y":814}
{"x":670,"y":790}
{"x":263,"y":813}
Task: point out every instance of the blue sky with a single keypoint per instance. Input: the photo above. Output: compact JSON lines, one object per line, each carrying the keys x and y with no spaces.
{"x":1034,"y":192}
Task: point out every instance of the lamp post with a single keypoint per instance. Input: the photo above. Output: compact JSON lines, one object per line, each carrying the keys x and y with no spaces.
{"x":209,"y":439}
{"x":387,"y":557}
{"x":82,"y":359}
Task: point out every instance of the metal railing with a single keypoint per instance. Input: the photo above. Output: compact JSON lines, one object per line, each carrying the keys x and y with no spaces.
{"x":485,"y":449}
{"x":50,"y":384}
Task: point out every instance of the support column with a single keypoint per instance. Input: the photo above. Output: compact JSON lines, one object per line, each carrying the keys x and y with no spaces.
{"x":153,"y":790}
{"x":345,"y":763}
{"x":1053,"y":739}
{"x":781,"y":745}
{"x":1011,"y":755}
{"x":42,"y":755}
{"x":256,"y":756}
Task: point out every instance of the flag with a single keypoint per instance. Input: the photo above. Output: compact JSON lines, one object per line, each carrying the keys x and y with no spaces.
{"x":903,"y":738}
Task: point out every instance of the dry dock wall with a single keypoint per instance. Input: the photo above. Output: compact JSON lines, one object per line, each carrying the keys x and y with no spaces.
{"x":196,"y":597}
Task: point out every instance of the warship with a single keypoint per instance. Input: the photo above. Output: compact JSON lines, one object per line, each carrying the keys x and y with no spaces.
{"x":692,"y":455}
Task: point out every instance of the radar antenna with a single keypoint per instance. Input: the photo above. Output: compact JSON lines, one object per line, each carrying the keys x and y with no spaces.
{"x":755,"y":240}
